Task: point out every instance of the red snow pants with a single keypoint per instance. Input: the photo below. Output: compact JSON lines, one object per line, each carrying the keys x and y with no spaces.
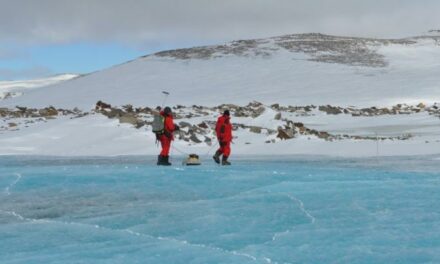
{"x":165,"y":142}
{"x":225,"y":148}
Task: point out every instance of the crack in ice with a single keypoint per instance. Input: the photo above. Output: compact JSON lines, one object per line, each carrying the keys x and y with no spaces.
{"x":253,"y":258}
{"x":184,"y":242}
{"x":22,"y":218}
{"x":134,"y":233}
{"x":301,"y":207}
{"x":303,"y":210}
{"x":8,"y":188}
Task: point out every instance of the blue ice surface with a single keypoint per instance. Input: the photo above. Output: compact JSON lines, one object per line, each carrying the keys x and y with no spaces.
{"x":260,"y":210}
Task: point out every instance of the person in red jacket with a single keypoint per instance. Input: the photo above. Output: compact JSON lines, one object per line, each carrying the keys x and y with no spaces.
{"x":166,"y":137}
{"x":223,"y":129}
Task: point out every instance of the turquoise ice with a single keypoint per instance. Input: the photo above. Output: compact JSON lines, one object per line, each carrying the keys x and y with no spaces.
{"x":277,"y":210}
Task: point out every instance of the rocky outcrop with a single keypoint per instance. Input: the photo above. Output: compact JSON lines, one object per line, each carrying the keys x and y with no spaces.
{"x":253,"y":109}
{"x":127,"y":115}
{"x":331,"y":110}
{"x":239,"y":48}
{"x":196,"y":133}
{"x":25,"y":117}
{"x":398,"y":109}
{"x":318,"y":47}
{"x":202,"y":131}
{"x":48,"y":111}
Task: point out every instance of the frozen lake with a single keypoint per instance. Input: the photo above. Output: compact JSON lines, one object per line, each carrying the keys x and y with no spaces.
{"x":281,"y":210}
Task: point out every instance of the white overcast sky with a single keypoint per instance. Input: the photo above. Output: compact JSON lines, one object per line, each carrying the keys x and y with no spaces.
{"x":141,"y":22}
{"x":46,"y":37}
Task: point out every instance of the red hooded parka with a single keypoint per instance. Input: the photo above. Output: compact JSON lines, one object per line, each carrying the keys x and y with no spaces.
{"x":166,"y":138}
{"x":223,"y":129}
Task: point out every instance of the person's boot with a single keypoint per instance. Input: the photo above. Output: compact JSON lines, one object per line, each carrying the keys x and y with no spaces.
{"x":159,"y":160}
{"x":163,"y":160}
{"x":225,"y":161}
{"x":166,"y":161}
{"x":216,"y":157}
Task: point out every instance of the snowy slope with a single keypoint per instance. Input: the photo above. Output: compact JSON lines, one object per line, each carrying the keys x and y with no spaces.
{"x":295,"y":70}
{"x":291,"y":70}
{"x":18,"y":88}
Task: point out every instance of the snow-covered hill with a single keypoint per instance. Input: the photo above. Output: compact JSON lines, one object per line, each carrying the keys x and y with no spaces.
{"x":294,"y":69}
{"x":10,"y":89}
{"x":382,"y":94}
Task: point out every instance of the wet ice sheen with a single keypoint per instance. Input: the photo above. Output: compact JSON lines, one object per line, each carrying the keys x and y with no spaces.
{"x":297,"y":210}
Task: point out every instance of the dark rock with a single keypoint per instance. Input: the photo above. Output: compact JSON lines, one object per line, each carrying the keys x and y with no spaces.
{"x":275,"y":106}
{"x":193,"y":137}
{"x":254,"y":104}
{"x":239,"y":112}
{"x":367,"y":111}
{"x":331,"y":110}
{"x":183,"y":124}
{"x":79,"y":115}
{"x":421,"y":105}
{"x":285,"y":134}
{"x":48,"y":111}
{"x":128,"y":108}
{"x":203,"y":125}
{"x":277,"y":116}
{"x":255,"y":129}
{"x":145,"y":110}
{"x":323,"y":135}
{"x":21,"y":109}
{"x":114,"y":112}
{"x":313,"y":132}
{"x":100,"y":105}
{"x":309,"y":108}
{"x":257,"y":112}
